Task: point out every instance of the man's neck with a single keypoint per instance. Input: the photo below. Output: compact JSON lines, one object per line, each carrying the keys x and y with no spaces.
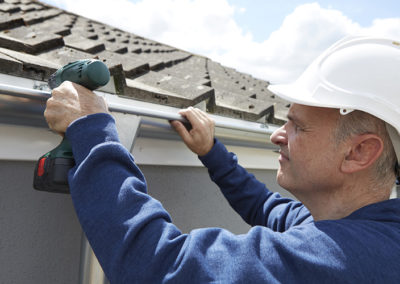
{"x":342,"y":202}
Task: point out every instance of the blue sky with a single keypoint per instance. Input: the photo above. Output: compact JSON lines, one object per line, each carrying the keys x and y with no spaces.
{"x":271,"y":40}
{"x":264,"y":16}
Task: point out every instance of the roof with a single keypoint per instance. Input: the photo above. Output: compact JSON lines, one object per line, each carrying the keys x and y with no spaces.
{"x":36,"y":39}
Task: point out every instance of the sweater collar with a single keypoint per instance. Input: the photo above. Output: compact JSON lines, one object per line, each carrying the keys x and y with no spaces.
{"x":388,"y":210}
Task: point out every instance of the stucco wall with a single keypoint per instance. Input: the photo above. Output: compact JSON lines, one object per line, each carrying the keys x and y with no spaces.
{"x":40,"y":235}
{"x":194,"y":201}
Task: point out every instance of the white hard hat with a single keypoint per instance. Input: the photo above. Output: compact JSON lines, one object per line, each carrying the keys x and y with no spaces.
{"x":356,"y":73}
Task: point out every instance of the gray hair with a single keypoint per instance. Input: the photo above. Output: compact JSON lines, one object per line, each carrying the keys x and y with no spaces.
{"x":359,"y":122}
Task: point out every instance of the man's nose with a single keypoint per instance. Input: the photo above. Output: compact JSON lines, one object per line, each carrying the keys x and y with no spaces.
{"x":279,"y":136}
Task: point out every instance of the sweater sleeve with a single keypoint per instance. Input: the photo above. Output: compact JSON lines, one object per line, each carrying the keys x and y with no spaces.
{"x":250,"y":198}
{"x":135,"y":241}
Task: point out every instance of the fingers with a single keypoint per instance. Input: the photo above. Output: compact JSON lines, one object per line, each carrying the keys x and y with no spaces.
{"x":197,"y":118}
{"x":200,"y":139}
{"x":191,"y":113}
{"x":182,"y":131}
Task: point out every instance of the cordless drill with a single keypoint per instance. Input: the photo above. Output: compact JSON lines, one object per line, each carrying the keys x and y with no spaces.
{"x":51,"y":170}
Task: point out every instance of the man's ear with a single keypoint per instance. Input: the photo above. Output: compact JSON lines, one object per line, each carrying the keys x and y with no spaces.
{"x":363,"y":151}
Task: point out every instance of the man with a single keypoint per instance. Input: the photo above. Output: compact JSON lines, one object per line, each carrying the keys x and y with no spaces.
{"x":340,"y":163}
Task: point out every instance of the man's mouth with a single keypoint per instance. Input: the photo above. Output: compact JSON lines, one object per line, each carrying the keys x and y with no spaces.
{"x":283,"y":157}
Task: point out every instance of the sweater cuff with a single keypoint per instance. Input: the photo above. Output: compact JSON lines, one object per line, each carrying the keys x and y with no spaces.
{"x":88,"y":131}
{"x":217,"y":157}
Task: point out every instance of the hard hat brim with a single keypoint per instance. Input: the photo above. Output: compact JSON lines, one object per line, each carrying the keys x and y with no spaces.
{"x":295,"y":94}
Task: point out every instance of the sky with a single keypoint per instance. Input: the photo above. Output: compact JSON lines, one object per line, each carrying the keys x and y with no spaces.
{"x":270,"y":40}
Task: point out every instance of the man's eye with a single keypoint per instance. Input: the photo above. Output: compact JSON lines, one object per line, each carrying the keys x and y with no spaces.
{"x":294,"y":126}
{"x":297,"y":128}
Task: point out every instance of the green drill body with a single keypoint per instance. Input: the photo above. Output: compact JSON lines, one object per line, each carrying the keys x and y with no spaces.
{"x":51,"y":171}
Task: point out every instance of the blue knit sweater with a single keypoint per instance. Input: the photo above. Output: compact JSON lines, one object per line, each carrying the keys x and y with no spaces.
{"x":135,"y":241}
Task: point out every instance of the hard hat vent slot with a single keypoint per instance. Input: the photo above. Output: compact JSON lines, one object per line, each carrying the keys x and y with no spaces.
{"x":344,"y":111}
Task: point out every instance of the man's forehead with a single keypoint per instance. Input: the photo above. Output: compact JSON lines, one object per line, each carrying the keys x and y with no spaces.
{"x":297,"y":111}
{"x":311,"y":113}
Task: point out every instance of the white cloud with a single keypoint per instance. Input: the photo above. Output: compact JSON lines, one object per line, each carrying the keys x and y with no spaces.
{"x":304,"y":34}
{"x":207,"y":27}
{"x":384,"y":27}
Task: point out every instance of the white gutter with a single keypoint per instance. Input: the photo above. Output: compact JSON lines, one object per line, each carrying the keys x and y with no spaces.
{"x":22,"y":102}
{"x":118,"y":104}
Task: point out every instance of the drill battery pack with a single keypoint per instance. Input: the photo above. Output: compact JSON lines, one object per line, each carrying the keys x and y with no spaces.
{"x":51,"y":171}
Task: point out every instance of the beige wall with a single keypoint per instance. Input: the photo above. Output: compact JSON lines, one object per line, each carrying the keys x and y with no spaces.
{"x":194,"y":201}
{"x":40,"y":235}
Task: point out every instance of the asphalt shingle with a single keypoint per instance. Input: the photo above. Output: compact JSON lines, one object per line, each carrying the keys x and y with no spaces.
{"x":29,"y":39}
{"x":36,"y":39}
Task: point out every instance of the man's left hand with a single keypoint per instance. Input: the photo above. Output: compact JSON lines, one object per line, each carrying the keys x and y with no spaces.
{"x":200,"y":139}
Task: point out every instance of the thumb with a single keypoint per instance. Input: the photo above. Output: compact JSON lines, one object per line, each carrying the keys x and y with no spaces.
{"x":181,"y":129}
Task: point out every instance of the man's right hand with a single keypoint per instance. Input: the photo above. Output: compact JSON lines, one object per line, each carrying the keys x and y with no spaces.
{"x":69,"y":102}
{"x":200,"y":139}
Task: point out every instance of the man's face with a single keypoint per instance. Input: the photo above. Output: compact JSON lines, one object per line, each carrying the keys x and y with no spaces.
{"x":310,"y":159}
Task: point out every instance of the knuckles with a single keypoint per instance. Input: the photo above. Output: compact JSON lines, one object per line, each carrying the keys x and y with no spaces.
{"x":67,"y":88}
